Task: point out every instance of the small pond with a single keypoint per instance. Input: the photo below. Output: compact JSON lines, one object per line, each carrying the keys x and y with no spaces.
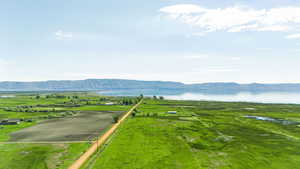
{"x":281,"y":121}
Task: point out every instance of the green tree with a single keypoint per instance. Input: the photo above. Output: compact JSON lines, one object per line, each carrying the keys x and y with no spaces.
{"x":141,"y":96}
{"x":116,"y":118}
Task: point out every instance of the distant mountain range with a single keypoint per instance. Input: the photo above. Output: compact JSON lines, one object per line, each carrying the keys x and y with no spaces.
{"x":120,"y":84}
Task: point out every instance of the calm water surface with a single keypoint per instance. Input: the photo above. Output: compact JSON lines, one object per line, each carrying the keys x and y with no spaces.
{"x":280,"y":121}
{"x":268,"y":97}
{"x":4,"y":96}
{"x":247,"y":97}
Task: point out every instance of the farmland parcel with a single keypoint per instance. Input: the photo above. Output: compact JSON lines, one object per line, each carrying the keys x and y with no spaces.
{"x":53,"y":130}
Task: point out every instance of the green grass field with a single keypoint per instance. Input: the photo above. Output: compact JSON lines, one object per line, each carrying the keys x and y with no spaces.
{"x":53,"y":118}
{"x":39,"y":156}
{"x":204,"y":135}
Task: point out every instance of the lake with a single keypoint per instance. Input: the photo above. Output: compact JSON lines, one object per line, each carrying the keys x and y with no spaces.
{"x":275,"y":97}
{"x":267,"y":97}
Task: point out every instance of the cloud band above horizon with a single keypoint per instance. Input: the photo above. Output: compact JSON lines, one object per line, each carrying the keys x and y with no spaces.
{"x":235,"y":18}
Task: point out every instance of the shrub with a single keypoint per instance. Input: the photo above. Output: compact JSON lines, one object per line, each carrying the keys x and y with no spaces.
{"x":116,"y":118}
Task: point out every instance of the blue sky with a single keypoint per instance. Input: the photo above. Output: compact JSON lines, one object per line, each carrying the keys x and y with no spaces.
{"x":191,"y":41}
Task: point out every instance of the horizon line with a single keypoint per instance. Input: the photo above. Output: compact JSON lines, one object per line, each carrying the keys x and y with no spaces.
{"x":40,"y":81}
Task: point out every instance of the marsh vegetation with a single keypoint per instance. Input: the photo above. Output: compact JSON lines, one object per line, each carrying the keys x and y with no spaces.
{"x":206,"y":135}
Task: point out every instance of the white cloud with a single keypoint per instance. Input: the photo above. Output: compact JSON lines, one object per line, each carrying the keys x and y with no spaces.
{"x":61,"y":35}
{"x":236,"y":18}
{"x":243,"y":27}
{"x":275,"y":28}
{"x":293,"y":36}
{"x":183,"y":9}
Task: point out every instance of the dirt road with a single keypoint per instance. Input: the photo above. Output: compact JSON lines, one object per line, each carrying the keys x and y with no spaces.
{"x":97,"y":144}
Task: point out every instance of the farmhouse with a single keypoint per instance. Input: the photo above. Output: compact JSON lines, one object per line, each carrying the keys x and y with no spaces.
{"x":171,"y":112}
{"x":10,"y":122}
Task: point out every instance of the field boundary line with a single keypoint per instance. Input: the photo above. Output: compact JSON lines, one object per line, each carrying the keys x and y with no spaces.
{"x":102,"y":139}
{"x":44,"y":142}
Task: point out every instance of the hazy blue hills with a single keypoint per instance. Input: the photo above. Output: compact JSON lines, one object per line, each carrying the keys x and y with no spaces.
{"x":89,"y":84}
{"x":120,"y":84}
